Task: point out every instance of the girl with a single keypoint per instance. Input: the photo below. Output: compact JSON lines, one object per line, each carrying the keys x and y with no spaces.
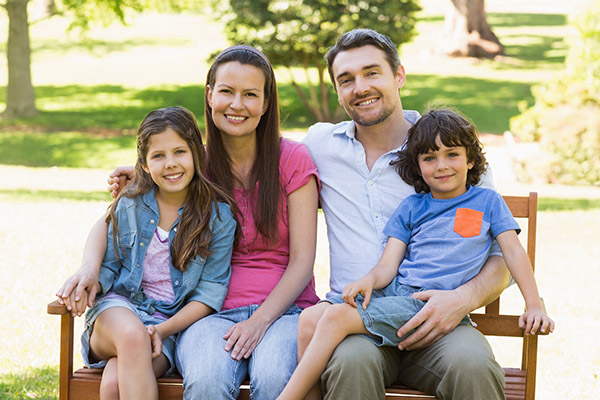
{"x":275,"y":186}
{"x":167,"y":262}
{"x":438,"y":239}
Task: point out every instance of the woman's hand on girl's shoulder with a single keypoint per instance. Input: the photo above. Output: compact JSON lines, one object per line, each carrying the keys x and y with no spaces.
{"x":118,"y":179}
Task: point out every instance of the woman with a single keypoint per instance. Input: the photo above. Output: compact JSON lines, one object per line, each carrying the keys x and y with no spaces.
{"x":274,"y":183}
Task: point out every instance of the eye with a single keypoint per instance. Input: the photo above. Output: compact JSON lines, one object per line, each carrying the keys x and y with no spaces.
{"x":251,"y":94}
{"x":428,"y":158}
{"x":156,"y":156}
{"x":344,"y":82}
{"x":372,"y":73}
{"x":226,"y":91}
{"x":181,"y":151}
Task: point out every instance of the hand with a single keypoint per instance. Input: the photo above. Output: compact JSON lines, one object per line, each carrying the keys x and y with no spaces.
{"x":243,"y":338}
{"x":71,"y":292}
{"x":535,"y":320}
{"x":155,"y":340}
{"x":77,"y":307}
{"x":364,"y":286}
{"x":118,"y":179}
{"x":441,"y":314}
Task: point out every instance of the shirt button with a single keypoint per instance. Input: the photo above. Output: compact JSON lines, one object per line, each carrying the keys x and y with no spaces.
{"x":376,"y":214}
{"x":151,"y":221}
{"x":138,"y":265}
{"x":132,"y":289}
{"x":141,"y":244}
{"x":176,"y":283}
{"x":175,"y":229}
{"x":370,"y":183}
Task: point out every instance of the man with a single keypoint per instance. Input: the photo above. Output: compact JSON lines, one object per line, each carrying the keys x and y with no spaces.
{"x":360,"y":191}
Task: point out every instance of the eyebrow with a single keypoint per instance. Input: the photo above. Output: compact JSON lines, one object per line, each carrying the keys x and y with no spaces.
{"x":231,"y":87}
{"x":365,"y":68}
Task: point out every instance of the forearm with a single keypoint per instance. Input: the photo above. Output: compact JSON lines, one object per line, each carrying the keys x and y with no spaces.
{"x":95,"y":247}
{"x":190,"y":313}
{"x":485,"y":286}
{"x":290,"y":286}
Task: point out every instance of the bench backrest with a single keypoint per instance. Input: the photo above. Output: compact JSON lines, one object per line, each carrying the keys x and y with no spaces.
{"x":492,"y":322}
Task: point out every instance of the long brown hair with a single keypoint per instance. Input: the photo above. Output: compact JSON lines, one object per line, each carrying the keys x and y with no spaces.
{"x":193,"y":233}
{"x":265,"y":170}
{"x":453,"y":130}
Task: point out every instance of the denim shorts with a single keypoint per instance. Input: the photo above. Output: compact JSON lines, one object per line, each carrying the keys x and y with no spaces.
{"x":389,"y":309}
{"x":114,"y":300}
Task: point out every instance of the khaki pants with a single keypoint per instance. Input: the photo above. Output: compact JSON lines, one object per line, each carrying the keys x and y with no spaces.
{"x":460,"y":366}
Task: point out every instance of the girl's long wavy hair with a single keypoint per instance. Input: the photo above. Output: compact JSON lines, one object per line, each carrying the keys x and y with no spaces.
{"x":193,"y":233}
{"x":265,"y":170}
{"x":454,"y":130}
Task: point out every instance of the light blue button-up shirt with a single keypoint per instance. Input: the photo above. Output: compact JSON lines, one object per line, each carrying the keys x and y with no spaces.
{"x":204,"y":280}
{"x":357,"y":202}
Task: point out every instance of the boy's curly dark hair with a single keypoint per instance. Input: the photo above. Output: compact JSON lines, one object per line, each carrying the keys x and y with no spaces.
{"x":454,"y":130}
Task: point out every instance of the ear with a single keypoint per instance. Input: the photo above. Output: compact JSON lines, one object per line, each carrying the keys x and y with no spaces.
{"x":209,"y":95}
{"x":401,"y":76}
{"x":470,"y":164}
{"x":146,"y":169}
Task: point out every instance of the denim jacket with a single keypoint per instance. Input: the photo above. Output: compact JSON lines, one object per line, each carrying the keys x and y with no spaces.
{"x":204,"y":280}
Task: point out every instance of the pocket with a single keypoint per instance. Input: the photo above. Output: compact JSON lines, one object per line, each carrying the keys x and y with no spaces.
{"x":467,"y":222}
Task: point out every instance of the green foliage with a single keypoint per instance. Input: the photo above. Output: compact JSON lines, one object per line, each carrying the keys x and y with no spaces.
{"x":106,"y":11}
{"x":297,"y":33}
{"x":566,"y":116}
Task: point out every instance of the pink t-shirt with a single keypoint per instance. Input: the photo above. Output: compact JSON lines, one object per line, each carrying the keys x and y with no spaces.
{"x":255,"y":268}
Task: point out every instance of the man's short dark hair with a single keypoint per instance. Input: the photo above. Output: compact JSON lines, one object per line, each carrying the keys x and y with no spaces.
{"x":359,"y":38}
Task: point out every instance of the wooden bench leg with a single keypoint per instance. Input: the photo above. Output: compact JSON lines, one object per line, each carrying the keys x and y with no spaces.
{"x":66,"y":355}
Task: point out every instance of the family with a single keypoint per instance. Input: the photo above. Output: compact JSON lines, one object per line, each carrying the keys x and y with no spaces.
{"x":204,"y":261}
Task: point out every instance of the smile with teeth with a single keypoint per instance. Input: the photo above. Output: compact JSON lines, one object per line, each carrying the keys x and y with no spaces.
{"x":367,"y":102}
{"x":174,"y":177}
{"x":235,"y":118}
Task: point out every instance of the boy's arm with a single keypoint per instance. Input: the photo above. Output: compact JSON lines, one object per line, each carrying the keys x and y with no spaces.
{"x":379,"y":276}
{"x":446,"y":308}
{"x":535,"y":317}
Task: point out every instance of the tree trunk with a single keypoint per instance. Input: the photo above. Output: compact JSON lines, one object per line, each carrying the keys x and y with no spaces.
{"x":467,"y":33}
{"x":20,"y":97}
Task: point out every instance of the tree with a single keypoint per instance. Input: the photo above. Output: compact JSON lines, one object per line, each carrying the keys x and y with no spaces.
{"x":297,"y":33}
{"x":20,"y":96}
{"x":565,"y":118}
{"x":467,"y":33}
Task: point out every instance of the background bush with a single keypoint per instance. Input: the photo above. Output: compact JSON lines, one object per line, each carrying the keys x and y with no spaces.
{"x":565,"y":118}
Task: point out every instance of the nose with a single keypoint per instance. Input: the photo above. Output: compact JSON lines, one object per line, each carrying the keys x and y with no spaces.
{"x":236,"y":102}
{"x":441,"y":163}
{"x":360,"y":86}
{"x":170,"y":161}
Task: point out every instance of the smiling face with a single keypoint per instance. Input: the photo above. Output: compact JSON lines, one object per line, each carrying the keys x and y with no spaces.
{"x":237,"y":98}
{"x":366,"y":85}
{"x":445,"y":170}
{"x":170,"y":163}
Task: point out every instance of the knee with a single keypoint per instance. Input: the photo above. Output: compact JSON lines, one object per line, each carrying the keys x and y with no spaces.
{"x":307,"y":323}
{"x":109,"y":387}
{"x":133,"y":338}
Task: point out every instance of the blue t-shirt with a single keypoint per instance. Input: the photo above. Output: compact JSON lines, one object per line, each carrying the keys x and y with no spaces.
{"x":448,"y":241}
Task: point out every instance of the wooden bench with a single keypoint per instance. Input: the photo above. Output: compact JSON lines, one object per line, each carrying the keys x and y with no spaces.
{"x":520,"y":382}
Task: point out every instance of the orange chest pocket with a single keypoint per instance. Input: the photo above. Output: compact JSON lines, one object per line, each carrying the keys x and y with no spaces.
{"x":467,"y":222}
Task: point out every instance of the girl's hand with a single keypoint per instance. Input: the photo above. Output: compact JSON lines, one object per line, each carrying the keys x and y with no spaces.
{"x":364,"y":286}
{"x":243,"y":338}
{"x":535,"y":320}
{"x":155,"y":340}
{"x":72,"y":290}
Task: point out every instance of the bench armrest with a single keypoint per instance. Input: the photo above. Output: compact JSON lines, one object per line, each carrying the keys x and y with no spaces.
{"x":55,"y":308}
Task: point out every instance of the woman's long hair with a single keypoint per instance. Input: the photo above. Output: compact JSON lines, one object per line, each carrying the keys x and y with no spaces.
{"x":193,"y":233}
{"x":265,"y":170}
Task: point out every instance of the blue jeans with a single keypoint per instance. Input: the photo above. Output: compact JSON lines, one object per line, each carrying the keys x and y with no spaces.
{"x":208,"y":370}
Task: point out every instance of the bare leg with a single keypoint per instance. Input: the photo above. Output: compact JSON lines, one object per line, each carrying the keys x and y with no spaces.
{"x":109,"y":385}
{"x":337,"y":322}
{"x":118,"y":332}
{"x":307,"y":323}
